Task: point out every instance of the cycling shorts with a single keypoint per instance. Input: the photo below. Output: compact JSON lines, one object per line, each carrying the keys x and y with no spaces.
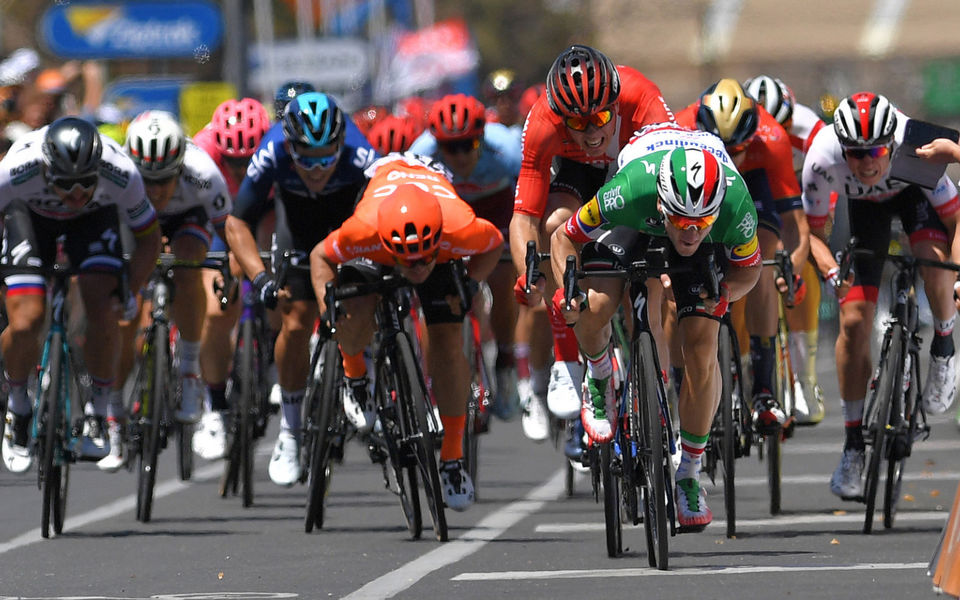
{"x":191,"y":222}
{"x":576,"y":178}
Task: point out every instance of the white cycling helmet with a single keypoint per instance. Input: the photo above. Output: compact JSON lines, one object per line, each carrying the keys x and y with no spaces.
{"x":773,"y":94}
{"x":691,"y":183}
{"x":156,"y":143}
{"x":865,"y":119}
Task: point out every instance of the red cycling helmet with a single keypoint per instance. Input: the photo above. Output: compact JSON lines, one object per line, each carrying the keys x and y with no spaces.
{"x":392,"y":134}
{"x":457,"y":117}
{"x":409,"y":222}
{"x":581,"y":82}
{"x":238,"y":127}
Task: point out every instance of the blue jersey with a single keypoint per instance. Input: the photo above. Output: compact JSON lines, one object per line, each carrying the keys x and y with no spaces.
{"x":497,"y":169}
{"x":272,"y":165}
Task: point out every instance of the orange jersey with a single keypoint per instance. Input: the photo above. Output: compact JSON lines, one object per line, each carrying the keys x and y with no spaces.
{"x":545,"y":136}
{"x":463,"y":233}
{"x":770,"y":151}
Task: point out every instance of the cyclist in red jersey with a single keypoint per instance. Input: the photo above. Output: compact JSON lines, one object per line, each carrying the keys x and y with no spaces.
{"x":761,"y":150}
{"x":572,"y":135}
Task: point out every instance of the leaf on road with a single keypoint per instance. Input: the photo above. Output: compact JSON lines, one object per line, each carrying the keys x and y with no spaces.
{"x":839,"y":513}
{"x":220,"y":575}
{"x":908,"y":497}
{"x":834,"y":542}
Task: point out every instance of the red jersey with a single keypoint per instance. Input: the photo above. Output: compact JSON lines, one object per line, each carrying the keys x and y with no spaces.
{"x":464,"y":234}
{"x":770,"y":151}
{"x":206,"y":139}
{"x":545,"y":136}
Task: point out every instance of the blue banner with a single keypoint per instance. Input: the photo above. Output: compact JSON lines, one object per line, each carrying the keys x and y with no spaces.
{"x":133,"y":95}
{"x":133,"y":29}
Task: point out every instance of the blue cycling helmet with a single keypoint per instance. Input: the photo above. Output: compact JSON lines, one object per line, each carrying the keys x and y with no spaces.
{"x":313,"y":120}
{"x":287,"y":92}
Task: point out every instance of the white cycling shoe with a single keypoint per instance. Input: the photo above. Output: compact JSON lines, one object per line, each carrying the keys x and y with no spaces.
{"x":563,"y":390}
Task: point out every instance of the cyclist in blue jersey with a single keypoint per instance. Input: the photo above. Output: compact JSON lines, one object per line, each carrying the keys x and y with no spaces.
{"x":313,"y":160}
{"x":484,"y":159}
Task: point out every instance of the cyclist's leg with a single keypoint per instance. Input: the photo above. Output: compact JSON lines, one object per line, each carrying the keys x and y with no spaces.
{"x":356,"y":326}
{"x":803,"y":323}
{"x":761,"y":320}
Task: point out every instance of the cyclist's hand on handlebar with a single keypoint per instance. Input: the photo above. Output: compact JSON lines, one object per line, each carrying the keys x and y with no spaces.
{"x":835,"y":286}
{"x":537,"y":290}
{"x":716,"y":307}
{"x":266,"y":289}
{"x":131,"y":307}
{"x":799,"y":288}
{"x":577,"y":304}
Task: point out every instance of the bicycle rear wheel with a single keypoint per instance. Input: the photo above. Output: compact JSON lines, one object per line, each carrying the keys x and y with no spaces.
{"x":157,"y":366}
{"x":322,"y":400}
{"x":653,"y":458}
{"x":729,"y":435}
{"x":422,"y":428}
{"x":51,"y":388}
{"x":611,"y":500}
{"x":877,"y":418}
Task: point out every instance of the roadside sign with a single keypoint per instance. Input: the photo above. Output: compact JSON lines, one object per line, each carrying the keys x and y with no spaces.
{"x":133,"y":95}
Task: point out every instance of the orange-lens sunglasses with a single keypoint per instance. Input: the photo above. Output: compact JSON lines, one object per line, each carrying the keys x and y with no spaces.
{"x":684,"y":223}
{"x":598,"y":120}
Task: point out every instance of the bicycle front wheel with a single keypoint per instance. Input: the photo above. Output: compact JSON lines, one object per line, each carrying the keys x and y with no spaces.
{"x":51,"y":387}
{"x":157,"y":366}
{"x":322,"y":401}
{"x":901,"y":442}
{"x":729,"y":436}
{"x":248,"y":388}
{"x":611,"y":500}
{"x":653,"y":458}
{"x":876,"y":419}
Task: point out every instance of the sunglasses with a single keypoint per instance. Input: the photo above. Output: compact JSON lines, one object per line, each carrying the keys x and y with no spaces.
{"x":417,"y":262}
{"x":312,"y":162}
{"x":862,"y":153}
{"x":460,"y":146}
{"x":598,"y":120}
{"x":66,"y":184}
{"x":698,"y":223}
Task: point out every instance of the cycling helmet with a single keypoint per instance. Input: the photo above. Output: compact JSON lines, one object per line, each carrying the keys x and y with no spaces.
{"x":156,"y":143}
{"x":287,"y":92}
{"x":368,"y":116}
{"x":530,"y":97}
{"x":728,"y":112}
{"x":238,"y":127}
{"x":409,"y":222}
{"x":865,"y":119}
{"x":392,"y":134}
{"x":502,"y":82}
{"x":314,"y":120}
{"x":457,"y":117}
{"x":690,"y":183}
{"x":581,"y":82}
{"x":71,"y":148}
{"x":773,"y":95}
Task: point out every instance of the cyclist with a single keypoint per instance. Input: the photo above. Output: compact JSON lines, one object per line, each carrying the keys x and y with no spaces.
{"x":393,"y":134}
{"x":411,"y":218}
{"x":484,"y":159}
{"x":852,"y":159}
{"x":761,"y":151}
{"x":230,"y":139}
{"x":368,"y":116}
{"x":571,"y":136}
{"x":191,"y":197}
{"x":501,"y":91}
{"x":66,"y":179}
{"x":802,"y":124}
{"x":682,"y":186}
{"x":286,"y":92}
{"x":313,"y":160}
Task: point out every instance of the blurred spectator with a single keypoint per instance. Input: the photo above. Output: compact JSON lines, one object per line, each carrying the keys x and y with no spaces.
{"x":48,"y":96}
{"x":367,"y":117}
{"x":501,"y":92}
{"x":393,"y":134}
{"x":827,"y":104}
{"x":15,"y":71}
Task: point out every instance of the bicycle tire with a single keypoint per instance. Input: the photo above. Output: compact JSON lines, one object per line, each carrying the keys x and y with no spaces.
{"x":50,"y":471}
{"x":774,"y":457}
{"x":611,"y":501}
{"x":60,"y":506}
{"x":414,"y":393}
{"x":888,"y":381}
{"x":729,"y":436}
{"x":645,"y":381}
{"x":321,"y":401}
{"x":247,"y":417}
{"x":156,"y":356}
{"x":402,"y":463}
{"x":898,"y":456}
{"x":184,"y":433}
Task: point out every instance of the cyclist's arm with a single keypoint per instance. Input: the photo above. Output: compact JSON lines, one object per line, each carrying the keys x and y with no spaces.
{"x":796,"y":237}
{"x":523,"y":227}
{"x":322,"y":270}
{"x":144,"y":257}
{"x":822,"y":256}
{"x":242,"y":244}
{"x":561,"y":246}
{"x":741,"y":279}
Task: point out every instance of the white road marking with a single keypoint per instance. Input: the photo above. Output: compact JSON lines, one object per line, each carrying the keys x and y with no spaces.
{"x":781,"y":521}
{"x":948,"y":476}
{"x":791,"y":447}
{"x":489,"y":528}
{"x":633,"y":572}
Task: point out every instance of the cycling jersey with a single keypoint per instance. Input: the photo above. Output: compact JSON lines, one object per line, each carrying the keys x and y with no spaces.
{"x":119,"y":184}
{"x":804,"y":126}
{"x":545,"y":137}
{"x":201,"y":185}
{"x":825,"y":171}
{"x":463,"y":233}
{"x":206,"y":139}
{"x":630,"y":199}
{"x":769,"y":157}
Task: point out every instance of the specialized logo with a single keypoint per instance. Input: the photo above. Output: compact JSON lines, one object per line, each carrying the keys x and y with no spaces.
{"x":612,"y":199}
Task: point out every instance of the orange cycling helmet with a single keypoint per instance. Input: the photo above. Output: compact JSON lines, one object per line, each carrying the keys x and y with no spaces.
{"x":392,"y":134}
{"x":409,"y":222}
{"x":581,"y":82}
{"x":457,"y":117}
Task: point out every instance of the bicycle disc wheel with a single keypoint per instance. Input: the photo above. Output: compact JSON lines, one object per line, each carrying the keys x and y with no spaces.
{"x":888,"y":382}
{"x":654,"y":460}
{"x":50,"y":470}
{"x":156,"y":357}
{"x":729,"y":436}
{"x":322,"y":401}
{"x":611,"y":500}
{"x":420,"y":419}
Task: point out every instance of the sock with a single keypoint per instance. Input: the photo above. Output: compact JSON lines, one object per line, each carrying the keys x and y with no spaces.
{"x":761,"y":355}
{"x":17,"y":400}
{"x":114,"y":406}
{"x":521,"y":355}
{"x":942,"y":343}
{"x":798,"y":350}
{"x":100,"y":396}
{"x":290,"y":411}
{"x":189,"y":357}
{"x":810,"y":367}
{"x":541,"y":379}
{"x":565,"y":346}
{"x":505,"y":358}
{"x":691,"y":453}
{"x":354,"y":366}
{"x":452,"y":446}
{"x":852,"y":420}
{"x":600,"y":366}
{"x":218,"y":396}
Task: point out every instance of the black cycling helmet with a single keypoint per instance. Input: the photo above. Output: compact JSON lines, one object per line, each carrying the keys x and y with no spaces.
{"x":287,"y":92}
{"x":71,"y":148}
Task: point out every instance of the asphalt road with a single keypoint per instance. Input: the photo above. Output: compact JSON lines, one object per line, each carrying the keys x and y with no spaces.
{"x":524,"y":538}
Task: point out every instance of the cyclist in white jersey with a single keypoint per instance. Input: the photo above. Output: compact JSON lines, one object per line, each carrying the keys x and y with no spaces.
{"x":66,"y":180}
{"x":191,"y":197}
{"x":852,"y":160}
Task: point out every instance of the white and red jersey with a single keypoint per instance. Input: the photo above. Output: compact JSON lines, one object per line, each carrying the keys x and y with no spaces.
{"x":201,"y":184}
{"x":804,"y":126}
{"x":825,"y":172}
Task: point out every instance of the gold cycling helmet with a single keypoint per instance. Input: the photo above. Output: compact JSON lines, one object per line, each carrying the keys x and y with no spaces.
{"x":728,"y":112}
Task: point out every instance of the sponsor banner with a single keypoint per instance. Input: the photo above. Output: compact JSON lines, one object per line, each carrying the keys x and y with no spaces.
{"x":329,"y":64}
{"x":133,"y":95}
{"x":198,"y":100}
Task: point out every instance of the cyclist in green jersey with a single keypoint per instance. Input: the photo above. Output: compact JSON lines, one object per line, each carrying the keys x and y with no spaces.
{"x":681,"y":186}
